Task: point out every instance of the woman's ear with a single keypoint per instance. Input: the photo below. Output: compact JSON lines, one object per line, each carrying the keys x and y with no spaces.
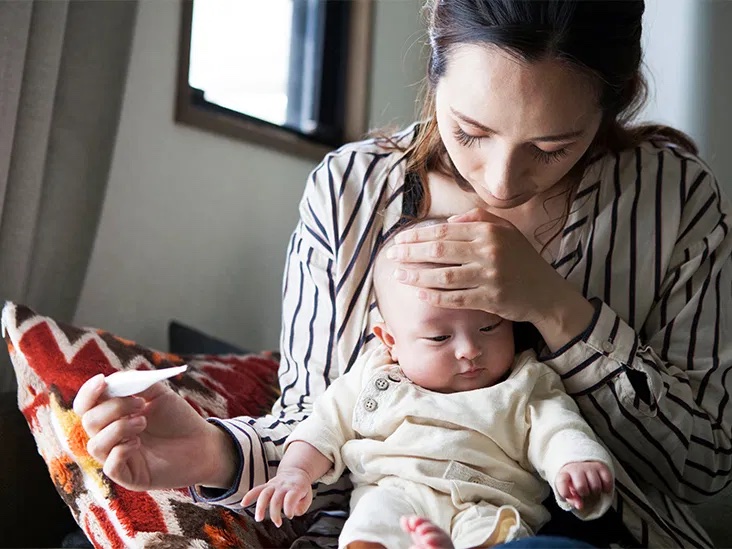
{"x":382,"y":332}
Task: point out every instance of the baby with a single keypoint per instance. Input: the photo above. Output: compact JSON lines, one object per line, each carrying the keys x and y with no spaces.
{"x":446,"y":432}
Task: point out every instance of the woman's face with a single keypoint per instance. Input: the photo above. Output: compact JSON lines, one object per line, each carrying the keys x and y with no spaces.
{"x":513,"y":129}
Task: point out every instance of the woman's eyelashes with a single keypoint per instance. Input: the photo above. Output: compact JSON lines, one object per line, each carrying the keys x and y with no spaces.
{"x":465,"y":139}
{"x":549,"y":157}
{"x":546,"y":157}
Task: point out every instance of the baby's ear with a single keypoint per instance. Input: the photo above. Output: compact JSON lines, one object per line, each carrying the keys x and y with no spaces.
{"x":382,"y":332}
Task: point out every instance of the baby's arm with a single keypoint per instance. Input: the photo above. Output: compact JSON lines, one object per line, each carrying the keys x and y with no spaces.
{"x":583,"y":482}
{"x":313,"y":449}
{"x":559,"y":438}
{"x":290,"y":489}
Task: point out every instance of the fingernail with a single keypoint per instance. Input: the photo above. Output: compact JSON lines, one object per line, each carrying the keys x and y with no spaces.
{"x":422,"y":294}
{"x":400,"y":274}
{"x":452,"y":218}
{"x":391,"y":253}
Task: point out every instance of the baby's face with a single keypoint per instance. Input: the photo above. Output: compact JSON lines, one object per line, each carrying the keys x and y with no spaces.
{"x":446,"y":350}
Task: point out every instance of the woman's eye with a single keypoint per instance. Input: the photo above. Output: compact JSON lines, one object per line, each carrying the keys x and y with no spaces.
{"x":549,"y":157}
{"x":465,"y":139}
{"x":438,"y":338}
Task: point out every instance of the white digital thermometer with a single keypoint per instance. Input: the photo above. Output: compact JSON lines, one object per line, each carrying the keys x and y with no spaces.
{"x":130,"y":382}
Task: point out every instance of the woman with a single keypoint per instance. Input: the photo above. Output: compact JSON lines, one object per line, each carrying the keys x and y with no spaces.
{"x":612,"y":241}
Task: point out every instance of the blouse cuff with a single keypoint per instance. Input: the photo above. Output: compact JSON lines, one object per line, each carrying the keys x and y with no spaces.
{"x":245,"y":438}
{"x":597,"y":355}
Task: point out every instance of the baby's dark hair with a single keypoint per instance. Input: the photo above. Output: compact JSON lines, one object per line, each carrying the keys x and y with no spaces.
{"x":525,"y":334}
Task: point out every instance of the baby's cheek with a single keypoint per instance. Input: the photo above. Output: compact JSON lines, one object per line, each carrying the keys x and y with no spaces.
{"x":434,"y":377}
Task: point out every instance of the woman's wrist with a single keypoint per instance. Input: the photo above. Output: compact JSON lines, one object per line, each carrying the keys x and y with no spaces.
{"x":569,"y":316}
{"x":222,"y":459}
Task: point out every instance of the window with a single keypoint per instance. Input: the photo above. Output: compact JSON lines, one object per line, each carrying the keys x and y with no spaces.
{"x":289,"y":74}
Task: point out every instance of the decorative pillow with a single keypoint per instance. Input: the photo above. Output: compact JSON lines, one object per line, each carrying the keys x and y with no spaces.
{"x":52,"y":360}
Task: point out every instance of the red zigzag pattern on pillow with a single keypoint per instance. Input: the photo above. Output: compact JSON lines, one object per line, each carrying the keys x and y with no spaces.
{"x":53,"y":359}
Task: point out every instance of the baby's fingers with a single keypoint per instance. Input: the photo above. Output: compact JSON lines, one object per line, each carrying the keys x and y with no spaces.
{"x":275,"y":507}
{"x":263,"y":502}
{"x":607,"y":480}
{"x":565,"y":488}
{"x":562,"y":483}
{"x":297,"y":503}
{"x":574,"y":498}
{"x":594,"y":481}
{"x":251,"y":496}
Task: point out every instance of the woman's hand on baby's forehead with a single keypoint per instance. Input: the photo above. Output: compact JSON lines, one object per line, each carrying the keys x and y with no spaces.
{"x":457,"y":227}
{"x":456,"y":243}
{"x":436,"y":231}
{"x":479,"y":261}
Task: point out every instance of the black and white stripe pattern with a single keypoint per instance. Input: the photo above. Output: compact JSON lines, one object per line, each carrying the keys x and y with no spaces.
{"x":647,"y":240}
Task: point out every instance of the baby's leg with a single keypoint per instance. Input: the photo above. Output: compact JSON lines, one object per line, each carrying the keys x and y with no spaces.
{"x":485,"y":525}
{"x":426,"y":534}
{"x":374,"y":519}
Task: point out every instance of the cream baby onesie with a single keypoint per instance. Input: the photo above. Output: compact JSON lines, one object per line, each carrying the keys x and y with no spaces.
{"x":456,"y":458}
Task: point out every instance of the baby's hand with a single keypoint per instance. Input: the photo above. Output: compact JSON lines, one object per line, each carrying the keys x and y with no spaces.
{"x":288,"y":491}
{"x":580,"y":480}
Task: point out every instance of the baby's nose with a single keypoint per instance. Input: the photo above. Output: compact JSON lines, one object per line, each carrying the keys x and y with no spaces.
{"x":468,"y":350}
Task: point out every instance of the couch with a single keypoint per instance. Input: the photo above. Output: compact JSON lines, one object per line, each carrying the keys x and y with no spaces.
{"x":32,"y":512}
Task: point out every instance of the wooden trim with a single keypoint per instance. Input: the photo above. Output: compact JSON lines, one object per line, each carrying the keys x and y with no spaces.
{"x":184,"y":57}
{"x":270,"y":135}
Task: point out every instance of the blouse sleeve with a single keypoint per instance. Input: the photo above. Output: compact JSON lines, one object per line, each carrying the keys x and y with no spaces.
{"x":307,"y":342}
{"x":659,"y":397}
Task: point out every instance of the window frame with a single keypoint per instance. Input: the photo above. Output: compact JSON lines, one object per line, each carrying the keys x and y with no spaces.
{"x":260,"y":132}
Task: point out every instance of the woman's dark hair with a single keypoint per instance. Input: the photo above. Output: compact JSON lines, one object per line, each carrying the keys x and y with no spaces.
{"x":601,"y":38}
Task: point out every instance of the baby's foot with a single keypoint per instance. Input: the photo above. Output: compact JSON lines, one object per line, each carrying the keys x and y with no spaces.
{"x":425,"y":534}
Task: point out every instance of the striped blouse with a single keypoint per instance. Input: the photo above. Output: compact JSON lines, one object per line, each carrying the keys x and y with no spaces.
{"x":647,"y":241}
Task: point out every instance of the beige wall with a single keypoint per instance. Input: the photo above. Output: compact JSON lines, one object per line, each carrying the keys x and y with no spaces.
{"x":687,"y":45}
{"x":195,"y":226}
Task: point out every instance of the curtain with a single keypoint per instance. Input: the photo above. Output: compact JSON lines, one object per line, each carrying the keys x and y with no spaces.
{"x":63,"y":66}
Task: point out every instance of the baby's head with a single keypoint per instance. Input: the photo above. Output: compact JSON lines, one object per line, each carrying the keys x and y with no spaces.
{"x":441,"y":349}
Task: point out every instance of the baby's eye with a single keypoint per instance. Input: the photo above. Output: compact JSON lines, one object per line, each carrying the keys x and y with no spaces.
{"x":491,"y":327}
{"x":438,"y":338}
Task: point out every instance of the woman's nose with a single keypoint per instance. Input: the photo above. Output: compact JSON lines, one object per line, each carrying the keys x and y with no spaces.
{"x":500,"y":174}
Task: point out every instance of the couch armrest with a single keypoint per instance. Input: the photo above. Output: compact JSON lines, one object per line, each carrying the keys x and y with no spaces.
{"x":29,"y":497}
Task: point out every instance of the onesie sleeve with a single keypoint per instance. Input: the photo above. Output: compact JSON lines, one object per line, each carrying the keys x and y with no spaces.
{"x":558,"y":435}
{"x":330,"y":425}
